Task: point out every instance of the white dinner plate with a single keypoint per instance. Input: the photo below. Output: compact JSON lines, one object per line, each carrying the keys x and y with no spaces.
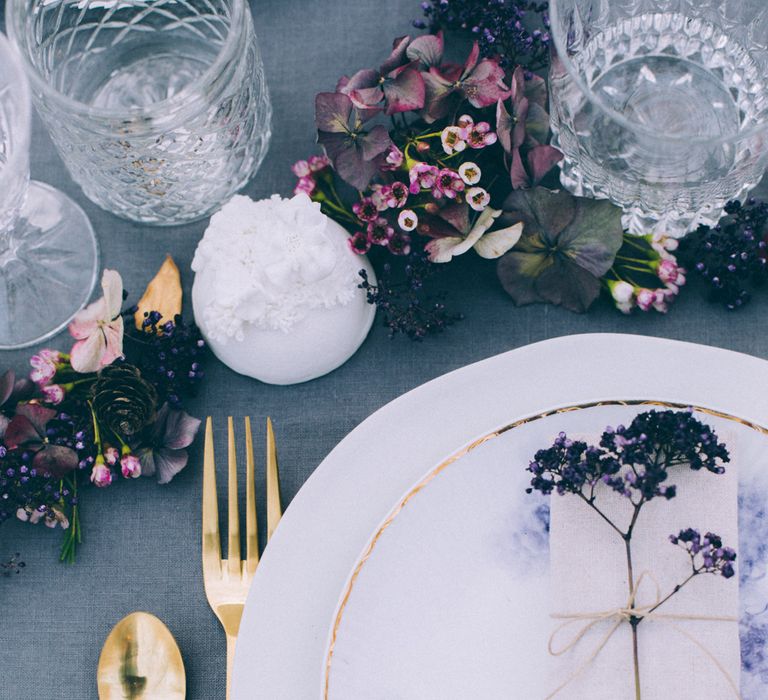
{"x":297,"y":599}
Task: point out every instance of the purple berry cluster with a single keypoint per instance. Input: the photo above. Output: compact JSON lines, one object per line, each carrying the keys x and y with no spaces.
{"x":731,"y":257}
{"x":171,"y":356}
{"x":708,"y":555}
{"x":515,"y":30}
{"x":405,"y":305}
{"x":634,"y":461}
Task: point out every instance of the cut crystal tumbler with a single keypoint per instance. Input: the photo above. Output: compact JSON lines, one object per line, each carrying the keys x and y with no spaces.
{"x":48,"y":253}
{"x":661,"y":105}
{"x":159,"y":108}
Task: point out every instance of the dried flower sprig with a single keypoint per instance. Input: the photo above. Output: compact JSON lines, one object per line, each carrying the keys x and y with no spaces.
{"x":407,"y":307}
{"x":636,"y":462}
{"x":515,"y":30}
{"x":13,"y":565}
{"x":732,"y":257}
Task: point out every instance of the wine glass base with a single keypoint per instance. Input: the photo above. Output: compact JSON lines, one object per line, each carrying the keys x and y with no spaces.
{"x":48,"y":268}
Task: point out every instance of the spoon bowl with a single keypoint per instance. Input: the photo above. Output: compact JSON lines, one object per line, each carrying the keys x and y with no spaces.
{"x":140,"y":660}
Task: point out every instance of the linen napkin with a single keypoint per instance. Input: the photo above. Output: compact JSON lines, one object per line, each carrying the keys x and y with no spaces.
{"x":589,"y":573}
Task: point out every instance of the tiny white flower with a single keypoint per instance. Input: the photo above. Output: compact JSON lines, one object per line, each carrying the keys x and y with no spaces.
{"x":470,"y":172}
{"x":407,"y":220}
{"x":452,"y":140}
{"x":478,"y":198}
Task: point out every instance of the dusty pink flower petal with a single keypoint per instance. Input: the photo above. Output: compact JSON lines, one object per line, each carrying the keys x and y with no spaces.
{"x":305,"y":184}
{"x":111,"y":455}
{"x":99,"y":328}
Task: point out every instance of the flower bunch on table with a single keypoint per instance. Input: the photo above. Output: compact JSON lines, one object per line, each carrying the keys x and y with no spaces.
{"x":110,"y":409}
{"x":425,"y":160}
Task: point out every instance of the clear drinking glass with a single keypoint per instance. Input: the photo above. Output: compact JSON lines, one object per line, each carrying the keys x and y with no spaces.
{"x":661,"y":105}
{"x":159,"y":108}
{"x":48,"y":253}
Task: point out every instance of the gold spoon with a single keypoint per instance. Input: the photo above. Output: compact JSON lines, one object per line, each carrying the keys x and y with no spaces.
{"x":140,"y":660}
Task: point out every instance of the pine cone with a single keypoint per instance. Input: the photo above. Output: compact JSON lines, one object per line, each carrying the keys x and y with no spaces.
{"x":123,"y":401}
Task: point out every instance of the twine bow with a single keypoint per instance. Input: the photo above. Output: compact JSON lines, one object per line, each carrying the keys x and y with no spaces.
{"x":627,"y":614}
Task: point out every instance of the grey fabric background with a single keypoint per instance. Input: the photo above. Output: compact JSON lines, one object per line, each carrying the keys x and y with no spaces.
{"x":141,"y":548}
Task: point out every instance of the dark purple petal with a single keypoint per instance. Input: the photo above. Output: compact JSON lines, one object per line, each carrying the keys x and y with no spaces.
{"x":517,"y":172}
{"x":536,"y":124}
{"x":404,"y":90}
{"x":536,"y":91}
{"x":147,"y":458}
{"x":427,"y":50}
{"x":180,"y":429}
{"x":348,"y":160}
{"x":332,"y":111}
{"x":398,"y":55}
{"x":375,"y":142}
{"x":55,"y":460}
{"x":168,"y":463}
{"x":541,"y":160}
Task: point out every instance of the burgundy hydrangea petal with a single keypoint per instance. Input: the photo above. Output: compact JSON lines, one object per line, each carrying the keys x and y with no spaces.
{"x":471,"y":62}
{"x":438,"y":93}
{"x":366,"y":78}
{"x":38,"y":415}
{"x":147,"y":459}
{"x":55,"y":460}
{"x":427,"y":50}
{"x":375,"y":142}
{"x":20,"y":431}
{"x":517,"y":172}
{"x":404,"y":90}
{"x":485,"y":85}
{"x":504,"y":126}
{"x":541,"y":160}
{"x":536,"y":91}
{"x":332,"y":112}
{"x":398,"y":55}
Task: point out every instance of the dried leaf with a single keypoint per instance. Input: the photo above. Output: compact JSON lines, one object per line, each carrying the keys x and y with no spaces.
{"x":163,"y":294}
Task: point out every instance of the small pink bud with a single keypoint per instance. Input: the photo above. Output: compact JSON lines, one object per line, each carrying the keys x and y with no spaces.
{"x":130,"y":466}
{"x":111,"y":455}
{"x":101,"y":476}
{"x":53,"y":394}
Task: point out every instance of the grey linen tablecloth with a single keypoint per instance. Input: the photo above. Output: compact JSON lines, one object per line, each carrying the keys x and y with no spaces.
{"x":142,"y":541}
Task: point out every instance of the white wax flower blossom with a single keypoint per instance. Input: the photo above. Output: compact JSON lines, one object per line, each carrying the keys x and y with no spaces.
{"x":271,"y":262}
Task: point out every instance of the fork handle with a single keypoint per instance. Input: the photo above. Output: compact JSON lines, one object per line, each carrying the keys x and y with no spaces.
{"x":230,"y":663}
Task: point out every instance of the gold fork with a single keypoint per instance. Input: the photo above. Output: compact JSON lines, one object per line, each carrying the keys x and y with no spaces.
{"x":227,"y":580}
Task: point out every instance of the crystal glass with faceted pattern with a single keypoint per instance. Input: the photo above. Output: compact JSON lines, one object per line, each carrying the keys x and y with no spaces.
{"x":159,"y":108}
{"x":661,"y":105}
{"x":48,"y":252}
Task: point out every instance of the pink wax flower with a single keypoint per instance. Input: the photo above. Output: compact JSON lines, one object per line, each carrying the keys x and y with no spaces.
{"x":379,"y":231}
{"x":423,"y":177}
{"x":407,"y":220}
{"x":394,"y":158}
{"x":453,"y":140}
{"x":480,"y":135}
{"x":478,"y":198}
{"x":130,"y":466}
{"x":359,"y":243}
{"x":470,"y":172}
{"x":448,"y":184}
{"x":366,"y":209}
{"x":398,"y":195}
{"x":380,"y":194}
{"x":399,"y":244}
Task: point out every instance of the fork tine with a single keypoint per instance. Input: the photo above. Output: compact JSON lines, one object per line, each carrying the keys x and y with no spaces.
{"x":211,"y":539}
{"x":274,"y":508}
{"x":251,"y":524}
{"x":233,"y":536}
